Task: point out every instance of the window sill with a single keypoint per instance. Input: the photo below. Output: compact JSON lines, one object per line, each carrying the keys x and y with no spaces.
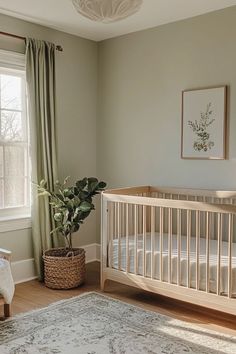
{"x":15,"y":223}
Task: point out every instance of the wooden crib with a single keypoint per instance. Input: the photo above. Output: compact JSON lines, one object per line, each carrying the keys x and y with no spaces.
{"x":180,"y":243}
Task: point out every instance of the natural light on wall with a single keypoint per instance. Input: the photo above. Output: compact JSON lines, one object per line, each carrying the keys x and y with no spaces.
{"x":14,"y":142}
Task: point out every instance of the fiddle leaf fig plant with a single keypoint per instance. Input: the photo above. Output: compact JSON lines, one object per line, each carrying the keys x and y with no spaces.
{"x":71,"y":205}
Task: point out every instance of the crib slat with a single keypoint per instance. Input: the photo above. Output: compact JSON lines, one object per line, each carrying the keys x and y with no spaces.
{"x":114,"y":226}
{"x":189,"y":228}
{"x":230,"y":245}
{"x":144,"y":239}
{"x":127,"y":239}
{"x":115,"y":220}
{"x":179,"y":218}
{"x":219,"y":238}
{"x":119,"y":233}
{"x":152,"y":241}
{"x":169,"y":243}
{"x":207,"y":252}
{"x":111,"y":231}
{"x":161,"y":244}
{"x":123,"y":220}
{"x":197,"y":247}
{"x":135,"y":239}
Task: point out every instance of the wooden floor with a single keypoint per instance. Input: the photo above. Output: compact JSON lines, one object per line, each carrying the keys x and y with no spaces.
{"x":33,"y":295}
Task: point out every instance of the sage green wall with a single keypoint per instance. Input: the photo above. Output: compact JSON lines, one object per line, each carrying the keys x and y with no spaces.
{"x":19,"y":242}
{"x":76,"y":82}
{"x":141,"y":76}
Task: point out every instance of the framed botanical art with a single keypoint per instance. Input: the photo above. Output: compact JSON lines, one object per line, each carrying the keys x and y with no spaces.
{"x":204,"y":123}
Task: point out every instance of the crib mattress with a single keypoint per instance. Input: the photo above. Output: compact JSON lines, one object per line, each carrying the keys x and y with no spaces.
{"x":113,"y":250}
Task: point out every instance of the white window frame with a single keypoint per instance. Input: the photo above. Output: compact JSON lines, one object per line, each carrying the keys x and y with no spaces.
{"x":16,"y":218}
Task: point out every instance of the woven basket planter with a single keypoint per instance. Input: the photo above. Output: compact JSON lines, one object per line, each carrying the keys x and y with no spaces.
{"x":64,"y":269}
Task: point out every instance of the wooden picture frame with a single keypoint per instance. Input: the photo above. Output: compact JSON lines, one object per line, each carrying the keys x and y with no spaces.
{"x":204,"y":115}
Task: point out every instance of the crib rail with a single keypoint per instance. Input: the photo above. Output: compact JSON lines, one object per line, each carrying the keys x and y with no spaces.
{"x":186,"y":242}
{"x":174,"y":204}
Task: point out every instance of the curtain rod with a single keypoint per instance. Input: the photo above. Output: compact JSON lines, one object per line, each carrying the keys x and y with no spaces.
{"x":58,"y":47}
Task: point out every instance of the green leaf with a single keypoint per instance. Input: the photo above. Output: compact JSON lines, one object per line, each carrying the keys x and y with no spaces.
{"x":102,"y":185}
{"x":70,"y":205}
{"x":84,"y":215}
{"x":42,"y":183}
{"x":58,"y":217}
{"x":76,"y":201}
{"x":60,"y":196}
{"x":92,"y":180}
{"x":75,"y":191}
{"x":83,"y":195}
{"x":66,"y":180}
{"x":57,"y":183}
{"x":85,"y":206}
{"x":68,"y":193}
{"x":92,"y":183}
{"x":92,"y":186}
{"x":82,"y":183}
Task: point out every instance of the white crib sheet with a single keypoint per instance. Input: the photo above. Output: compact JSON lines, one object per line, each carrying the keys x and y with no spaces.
{"x":113,"y":260}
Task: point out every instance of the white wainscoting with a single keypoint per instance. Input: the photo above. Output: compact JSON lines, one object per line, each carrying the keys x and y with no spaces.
{"x":23,"y":271}
{"x":13,"y":224}
{"x":92,"y":252}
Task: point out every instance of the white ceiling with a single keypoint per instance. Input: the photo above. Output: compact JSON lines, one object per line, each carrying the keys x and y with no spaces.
{"x":61,"y":15}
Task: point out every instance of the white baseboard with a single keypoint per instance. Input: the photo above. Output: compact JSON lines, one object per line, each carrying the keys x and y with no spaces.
{"x":92,"y":252}
{"x":24,"y":270}
{"x":98,"y":252}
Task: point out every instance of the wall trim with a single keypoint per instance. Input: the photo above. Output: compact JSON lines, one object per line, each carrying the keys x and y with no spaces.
{"x":16,"y":223}
{"x":24,"y":270}
{"x":92,"y":252}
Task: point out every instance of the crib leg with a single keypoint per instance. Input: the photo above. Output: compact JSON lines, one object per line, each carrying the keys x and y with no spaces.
{"x":7,"y":310}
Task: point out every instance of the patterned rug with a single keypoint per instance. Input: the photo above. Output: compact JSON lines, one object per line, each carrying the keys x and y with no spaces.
{"x":96,"y":324}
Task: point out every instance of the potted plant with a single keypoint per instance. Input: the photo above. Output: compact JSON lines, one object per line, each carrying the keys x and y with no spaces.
{"x":64,"y":268}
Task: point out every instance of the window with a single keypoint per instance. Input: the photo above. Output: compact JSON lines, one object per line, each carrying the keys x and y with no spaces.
{"x":14,"y":138}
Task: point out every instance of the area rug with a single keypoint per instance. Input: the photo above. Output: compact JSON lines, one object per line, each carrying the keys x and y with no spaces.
{"x":96,"y":324}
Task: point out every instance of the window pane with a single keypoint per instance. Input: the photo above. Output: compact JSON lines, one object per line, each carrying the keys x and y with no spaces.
{"x":1,"y":161}
{"x":11,"y":92}
{"x":14,"y":157}
{"x":14,"y":161}
{"x":11,"y":126}
{"x":14,"y":191}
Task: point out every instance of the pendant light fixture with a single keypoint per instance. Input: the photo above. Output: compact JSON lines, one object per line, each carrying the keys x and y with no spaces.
{"x":107,"y":11}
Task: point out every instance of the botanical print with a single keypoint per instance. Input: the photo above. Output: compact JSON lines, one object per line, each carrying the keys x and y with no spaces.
{"x":203,"y":123}
{"x":203,"y":142}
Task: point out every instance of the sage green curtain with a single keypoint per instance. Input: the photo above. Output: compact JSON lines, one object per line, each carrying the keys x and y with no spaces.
{"x":40,"y":77}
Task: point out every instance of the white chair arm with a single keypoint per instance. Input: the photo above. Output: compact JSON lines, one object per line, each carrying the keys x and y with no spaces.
{"x":5,"y":254}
